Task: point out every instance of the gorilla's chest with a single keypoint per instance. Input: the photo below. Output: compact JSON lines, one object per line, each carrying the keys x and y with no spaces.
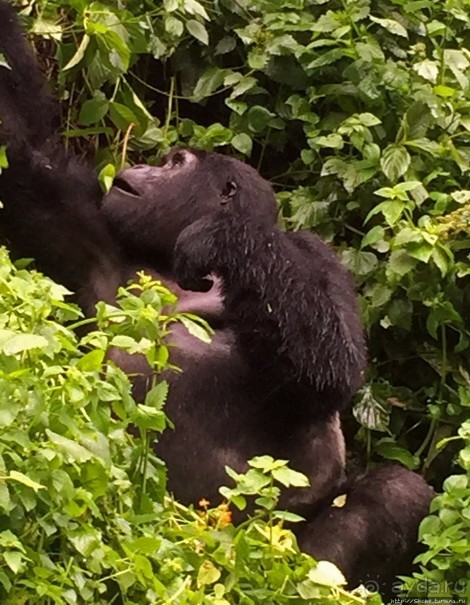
{"x":219,"y":422}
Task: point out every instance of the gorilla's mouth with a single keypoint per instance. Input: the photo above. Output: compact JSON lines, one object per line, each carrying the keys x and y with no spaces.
{"x":124,"y":186}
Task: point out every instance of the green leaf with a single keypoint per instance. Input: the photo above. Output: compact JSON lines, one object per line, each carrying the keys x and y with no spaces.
{"x":333,"y":141}
{"x":245,"y":84}
{"x":5,"y":500}
{"x":395,"y":162}
{"x":3,"y":157}
{"x":427,"y":69}
{"x":421,"y":251}
{"x":400,"y":263}
{"x":4,"y":62}
{"x":209,"y":81}
{"x":174,"y":26}
{"x":196,"y":8}
{"x":207,"y":574}
{"x":392,"y":211}
{"x":74,"y":451}
{"x":93,"y":110}
{"x":326,"y":574}
{"x":24,"y":480}
{"x":288,"y":477}
{"x":147,"y":417}
{"x":243,"y":143}
{"x":390,"y":450}
{"x":24,"y":342}
{"x":195,"y":329}
{"x":198,"y":31}
{"x":13,"y":559}
{"x":92,"y":361}
{"x":157,"y":395}
{"x":429,"y":526}
{"x":391,"y":25}
{"x":444,"y":91}
{"x":259,"y":118}
{"x":359,"y":262}
{"x":373,"y":236}
{"x":106,"y":176}
{"x":371,"y":411}
{"x":122,"y":116}
{"x":80,"y":53}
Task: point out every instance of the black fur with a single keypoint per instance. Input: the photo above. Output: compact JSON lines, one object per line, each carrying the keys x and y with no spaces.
{"x":369,"y":537}
{"x":288,"y":351}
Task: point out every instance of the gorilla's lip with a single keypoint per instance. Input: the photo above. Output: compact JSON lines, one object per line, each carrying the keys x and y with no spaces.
{"x":125,"y":187}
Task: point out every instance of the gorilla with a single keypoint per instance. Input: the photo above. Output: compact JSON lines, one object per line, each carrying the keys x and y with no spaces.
{"x":287,"y":353}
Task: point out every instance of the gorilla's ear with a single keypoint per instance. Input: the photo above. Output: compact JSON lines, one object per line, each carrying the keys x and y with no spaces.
{"x":228,"y":192}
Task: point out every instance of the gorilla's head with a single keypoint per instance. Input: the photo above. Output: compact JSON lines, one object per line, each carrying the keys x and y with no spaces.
{"x":149,"y":206}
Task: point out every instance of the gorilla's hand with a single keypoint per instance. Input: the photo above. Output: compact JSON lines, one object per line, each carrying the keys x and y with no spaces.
{"x":194,"y":256}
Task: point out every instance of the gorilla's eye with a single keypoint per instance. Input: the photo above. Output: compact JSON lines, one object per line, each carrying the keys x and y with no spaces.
{"x":229,"y":191}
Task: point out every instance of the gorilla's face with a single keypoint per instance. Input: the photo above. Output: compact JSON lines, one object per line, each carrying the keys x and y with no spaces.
{"x":149,"y":206}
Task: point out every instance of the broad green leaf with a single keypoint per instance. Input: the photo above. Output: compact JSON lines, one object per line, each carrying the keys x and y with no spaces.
{"x":157,"y":395}
{"x":195,"y":329}
{"x":421,"y":251}
{"x":395,"y":162}
{"x":149,"y":418}
{"x":462,"y":196}
{"x":373,"y":236}
{"x":391,"y":25}
{"x":21,"y":478}
{"x":243,"y":143}
{"x":122,"y":116}
{"x":196,"y":8}
{"x":106,"y":176}
{"x":93,"y":110}
{"x":444,"y":91}
{"x":334,"y":141}
{"x":427,"y":69}
{"x":198,"y":31}
{"x":359,"y":262}
{"x":13,"y":559}
{"x":289,"y":477}
{"x":92,"y":361}
{"x":79,"y":54}
{"x":389,"y":449}
{"x":207,"y":574}
{"x":371,"y":411}
{"x":259,"y":118}
{"x":209,"y":81}
{"x":74,"y":451}
{"x":326,"y":574}
{"x":174,"y":26}
{"x":24,"y":342}
{"x":392,"y":211}
{"x":400,"y":263}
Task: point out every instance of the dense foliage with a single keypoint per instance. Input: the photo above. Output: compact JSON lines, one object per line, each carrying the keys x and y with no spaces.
{"x":84,"y":517}
{"x":359,"y":113}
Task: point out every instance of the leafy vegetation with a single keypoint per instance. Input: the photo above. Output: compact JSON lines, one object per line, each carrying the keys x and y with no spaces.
{"x":84,"y":517}
{"x":359,"y":113}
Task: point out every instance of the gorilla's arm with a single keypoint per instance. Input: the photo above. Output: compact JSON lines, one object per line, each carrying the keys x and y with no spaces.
{"x":49,"y":199}
{"x":28,"y":113}
{"x":291,"y":303}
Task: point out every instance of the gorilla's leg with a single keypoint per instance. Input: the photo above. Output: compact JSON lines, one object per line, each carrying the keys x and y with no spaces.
{"x":372,"y":538}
